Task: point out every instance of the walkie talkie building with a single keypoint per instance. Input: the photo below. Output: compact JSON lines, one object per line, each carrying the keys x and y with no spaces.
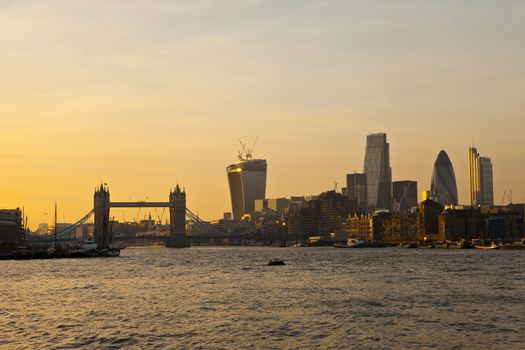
{"x":247,"y":179}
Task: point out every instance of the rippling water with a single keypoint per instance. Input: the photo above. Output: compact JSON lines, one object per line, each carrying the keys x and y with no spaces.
{"x":227,"y":298}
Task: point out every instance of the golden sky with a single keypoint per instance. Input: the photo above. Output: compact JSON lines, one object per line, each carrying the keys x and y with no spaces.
{"x":145,"y":94}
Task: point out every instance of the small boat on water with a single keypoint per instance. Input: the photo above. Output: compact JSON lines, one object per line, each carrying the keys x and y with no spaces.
{"x":407,"y":245}
{"x":493,"y":245}
{"x":276,"y":262}
{"x":352,"y":243}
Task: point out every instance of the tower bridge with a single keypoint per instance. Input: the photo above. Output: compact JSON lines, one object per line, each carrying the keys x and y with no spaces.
{"x":176,"y":205}
{"x":178,"y":212}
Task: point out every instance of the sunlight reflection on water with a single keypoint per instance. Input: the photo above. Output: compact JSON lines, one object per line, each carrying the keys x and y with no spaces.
{"x":228,"y":298}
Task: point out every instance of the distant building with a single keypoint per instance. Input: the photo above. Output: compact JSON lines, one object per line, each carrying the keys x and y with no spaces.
{"x":247,"y":180}
{"x":426,"y":195}
{"x":486,"y":223}
{"x":321,"y":216}
{"x":444,"y":188}
{"x":304,"y":221}
{"x":62,"y":227}
{"x":428,"y":227}
{"x":480,"y":179}
{"x":279,"y":205}
{"x":11,"y":229}
{"x":260,"y":204}
{"x":356,"y":189}
{"x":42,"y":229}
{"x":378,"y":172}
{"x":335,"y":208}
{"x":404,"y":195}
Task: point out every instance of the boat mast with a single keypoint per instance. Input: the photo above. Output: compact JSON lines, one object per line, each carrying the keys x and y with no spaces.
{"x":55,"y":226}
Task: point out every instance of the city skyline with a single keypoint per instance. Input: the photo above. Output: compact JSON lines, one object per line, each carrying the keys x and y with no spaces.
{"x":147,"y":95}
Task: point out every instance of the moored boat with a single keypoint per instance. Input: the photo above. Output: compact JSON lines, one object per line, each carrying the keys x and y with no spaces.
{"x":352,"y":243}
{"x":493,"y":245}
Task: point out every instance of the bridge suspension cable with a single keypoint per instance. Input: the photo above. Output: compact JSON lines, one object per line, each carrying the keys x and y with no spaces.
{"x":76,"y":224}
{"x":202,"y":224}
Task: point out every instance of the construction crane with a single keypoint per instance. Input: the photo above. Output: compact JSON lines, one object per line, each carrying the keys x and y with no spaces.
{"x":247,"y":153}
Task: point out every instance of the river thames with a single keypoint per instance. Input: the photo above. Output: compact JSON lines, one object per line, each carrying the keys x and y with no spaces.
{"x":228,"y":298}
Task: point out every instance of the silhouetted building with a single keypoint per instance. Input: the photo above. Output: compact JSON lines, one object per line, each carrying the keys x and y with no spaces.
{"x":335,"y":208}
{"x":378,"y":172}
{"x":321,"y":216}
{"x":428,"y":226}
{"x":486,"y":223}
{"x":304,"y":221}
{"x":356,"y":189}
{"x":11,"y":229}
{"x":247,"y":179}
{"x":404,"y":195}
{"x":444,"y":188}
{"x":481,"y":179}
{"x":279,"y":205}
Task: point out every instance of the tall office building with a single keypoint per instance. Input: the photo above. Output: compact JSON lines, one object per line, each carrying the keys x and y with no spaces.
{"x":247,"y":179}
{"x":404,"y":195}
{"x":378,"y":172}
{"x":443,"y":187}
{"x":356,"y":189}
{"x":481,"y":179}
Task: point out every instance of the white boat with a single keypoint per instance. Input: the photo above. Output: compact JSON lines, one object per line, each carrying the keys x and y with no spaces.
{"x":351,"y":243}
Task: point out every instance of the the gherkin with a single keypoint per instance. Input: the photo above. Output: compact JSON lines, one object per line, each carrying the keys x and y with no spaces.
{"x":444,"y":188}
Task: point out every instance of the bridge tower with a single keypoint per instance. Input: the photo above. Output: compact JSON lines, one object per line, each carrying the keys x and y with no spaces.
{"x":178,"y":238}
{"x":101,"y":206}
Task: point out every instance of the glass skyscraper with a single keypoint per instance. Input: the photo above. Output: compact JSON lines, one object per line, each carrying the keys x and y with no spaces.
{"x":356,"y":189}
{"x":247,"y":179}
{"x":404,"y":195}
{"x":481,"y":179}
{"x":378,"y":172}
{"x":444,"y":188}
